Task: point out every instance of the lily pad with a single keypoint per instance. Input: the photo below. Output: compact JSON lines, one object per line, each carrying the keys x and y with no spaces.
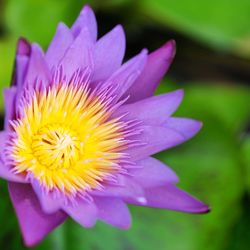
{"x":37,"y":20}
{"x":7,"y":52}
{"x":246,"y":160}
{"x":220,"y":24}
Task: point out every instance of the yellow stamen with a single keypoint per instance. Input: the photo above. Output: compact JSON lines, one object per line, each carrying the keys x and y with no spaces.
{"x":66,"y":140}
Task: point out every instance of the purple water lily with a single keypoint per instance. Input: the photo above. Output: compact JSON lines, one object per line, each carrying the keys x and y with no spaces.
{"x":80,"y":129}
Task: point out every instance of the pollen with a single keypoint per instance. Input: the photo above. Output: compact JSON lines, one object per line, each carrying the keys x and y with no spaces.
{"x":66,"y":139}
{"x":56,"y":147}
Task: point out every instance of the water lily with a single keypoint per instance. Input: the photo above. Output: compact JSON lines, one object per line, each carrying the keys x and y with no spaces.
{"x":80,"y":129}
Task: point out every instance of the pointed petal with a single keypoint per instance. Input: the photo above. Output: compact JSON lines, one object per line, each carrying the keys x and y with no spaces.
{"x":35,"y":224}
{"x":124,"y":77}
{"x":84,"y":213}
{"x":23,"y":47}
{"x":63,"y":38}
{"x":37,"y":68}
{"x":23,"y":51}
{"x":173,"y":198}
{"x":187,"y":127}
{"x":113,"y":211}
{"x":9,"y":105}
{"x":21,"y":69}
{"x":85,"y":20}
{"x":153,"y":173}
{"x":79,"y":55}
{"x":5,"y":172}
{"x":9,"y":100}
{"x":124,"y":188}
{"x":153,"y":110}
{"x":157,"y":65}
{"x":3,"y":137}
{"x":48,"y":204}
{"x":108,"y":53}
{"x":154,"y":139}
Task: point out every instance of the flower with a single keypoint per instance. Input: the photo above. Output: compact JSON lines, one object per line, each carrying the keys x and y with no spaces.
{"x":80,"y":129}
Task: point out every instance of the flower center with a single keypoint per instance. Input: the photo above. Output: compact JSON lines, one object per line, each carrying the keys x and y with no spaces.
{"x":56,"y":147}
{"x":66,"y":140}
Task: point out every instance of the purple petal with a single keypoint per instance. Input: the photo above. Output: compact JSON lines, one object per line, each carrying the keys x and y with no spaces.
{"x":153,"y":110}
{"x":85,"y":20}
{"x":124,"y":77}
{"x":156,"y":67}
{"x":21,"y":69}
{"x":37,"y":68}
{"x":113,"y":211}
{"x":124,"y":188}
{"x":84,"y":213}
{"x":153,"y":173}
{"x":63,"y":38}
{"x":154,"y":139}
{"x":48,"y":204}
{"x":34,"y":223}
{"x":187,"y":127}
{"x":5,"y":172}
{"x":23,"y":51}
{"x":9,"y":104}
{"x":23,"y":47}
{"x":79,"y":55}
{"x":21,"y":63}
{"x":108,"y":53}
{"x":173,"y":198}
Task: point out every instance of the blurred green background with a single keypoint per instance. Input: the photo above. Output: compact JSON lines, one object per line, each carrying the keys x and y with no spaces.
{"x":213,"y":66}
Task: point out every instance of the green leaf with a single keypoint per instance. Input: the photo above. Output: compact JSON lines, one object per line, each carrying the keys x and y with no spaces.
{"x":240,"y":236}
{"x":10,"y":237}
{"x":210,"y":165}
{"x":7,"y":52}
{"x":229,"y":104}
{"x":37,"y":20}
{"x":246,"y":160}
{"x":220,"y":24}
